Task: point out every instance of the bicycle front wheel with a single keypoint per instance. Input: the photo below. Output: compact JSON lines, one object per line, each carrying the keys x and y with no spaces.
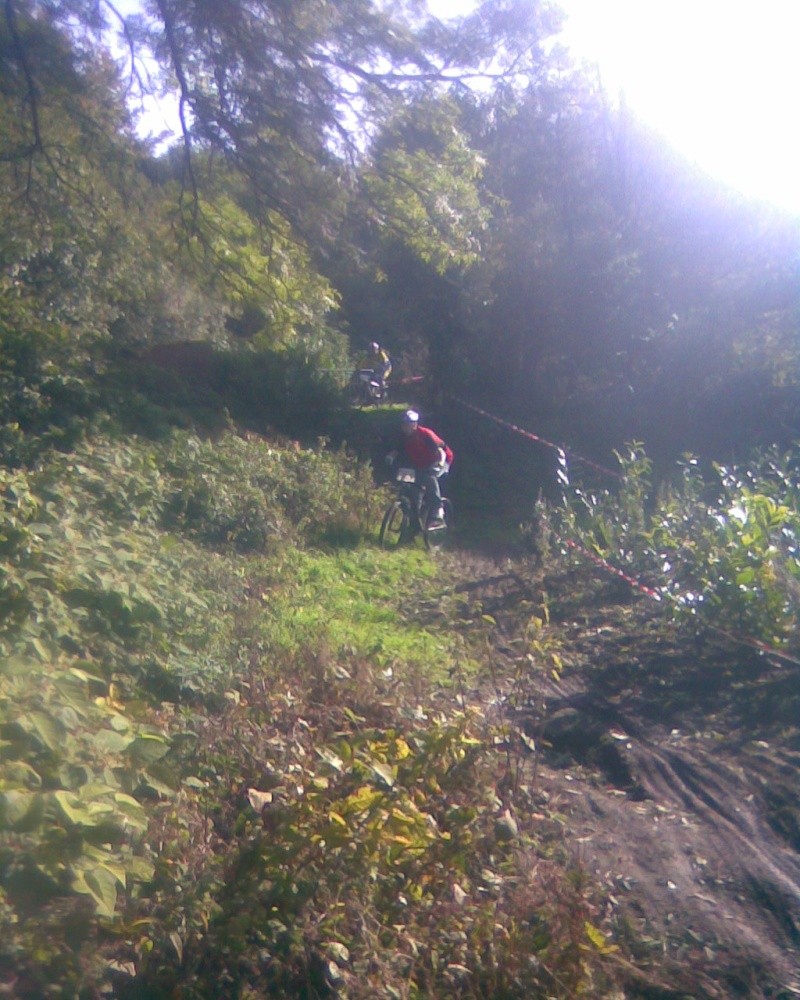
{"x":396,"y":525}
{"x":436,"y":531}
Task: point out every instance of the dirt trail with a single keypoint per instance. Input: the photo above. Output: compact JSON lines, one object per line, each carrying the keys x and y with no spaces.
{"x":676,"y":764}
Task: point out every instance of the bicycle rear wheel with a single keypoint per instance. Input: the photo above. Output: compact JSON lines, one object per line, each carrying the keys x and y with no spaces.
{"x":355,"y":394}
{"x":396,"y":524}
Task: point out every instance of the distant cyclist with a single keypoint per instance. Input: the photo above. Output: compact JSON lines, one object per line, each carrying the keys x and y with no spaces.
{"x":378,"y":360}
{"x":428,"y":454}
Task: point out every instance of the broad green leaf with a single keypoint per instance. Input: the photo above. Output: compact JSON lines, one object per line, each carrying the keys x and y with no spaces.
{"x":133,"y":811}
{"x":140,"y":870}
{"x":94,"y":790}
{"x":147,"y":749}
{"x":73,"y":810}
{"x":19,"y":773}
{"x":101,"y":885}
{"x":49,"y":730}
{"x":18,"y":808}
{"x":100,"y":809}
{"x":117,"y":871}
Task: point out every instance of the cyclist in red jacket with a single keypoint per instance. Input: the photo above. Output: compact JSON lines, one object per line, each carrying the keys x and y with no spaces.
{"x":426,"y":452}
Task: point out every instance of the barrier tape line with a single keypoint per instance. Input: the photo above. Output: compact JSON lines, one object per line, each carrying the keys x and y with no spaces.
{"x":756,"y":644}
{"x":761,"y":647}
{"x":655,"y":595}
{"x":599,"y":561}
{"x":535,"y":437}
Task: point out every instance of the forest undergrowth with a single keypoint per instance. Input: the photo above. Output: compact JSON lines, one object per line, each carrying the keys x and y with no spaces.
{"x":234,"y":754}
{"x":247,"y":753}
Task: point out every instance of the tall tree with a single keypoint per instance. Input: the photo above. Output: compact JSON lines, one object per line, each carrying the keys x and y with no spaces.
{"x":288,"y":93}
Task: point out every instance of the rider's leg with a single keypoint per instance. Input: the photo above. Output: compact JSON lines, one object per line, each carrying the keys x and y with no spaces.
{"x":428,"y":480}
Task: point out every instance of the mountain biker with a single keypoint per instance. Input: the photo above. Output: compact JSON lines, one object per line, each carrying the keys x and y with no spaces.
{"x":378,"y":361}
{"x":428,"y":454}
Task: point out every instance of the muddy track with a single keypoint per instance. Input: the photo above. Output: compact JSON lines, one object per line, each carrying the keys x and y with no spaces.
{"x":676,"y":762}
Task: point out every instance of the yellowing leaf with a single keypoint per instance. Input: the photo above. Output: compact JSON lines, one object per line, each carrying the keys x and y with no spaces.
{"x":258,"y":799}
{"x":410,"y":820}
{"x":362,"y":800}
{"x":598,"y":939}
{"x":387,"y":775}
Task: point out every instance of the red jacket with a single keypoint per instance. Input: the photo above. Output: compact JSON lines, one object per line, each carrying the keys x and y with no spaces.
{"x":421,"y":448}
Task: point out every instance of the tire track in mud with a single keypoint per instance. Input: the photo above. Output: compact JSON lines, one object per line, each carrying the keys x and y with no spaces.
{"x":680,"y":839}
{"x":744,"y":898}
{"x":678,"y":823}
{"x":730,"y":814}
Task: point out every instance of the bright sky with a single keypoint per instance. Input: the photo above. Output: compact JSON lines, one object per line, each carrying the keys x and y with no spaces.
{"x":720,"y":79}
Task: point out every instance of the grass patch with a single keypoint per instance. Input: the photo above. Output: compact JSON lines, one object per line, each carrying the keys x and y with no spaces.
{"x":363,"y":603}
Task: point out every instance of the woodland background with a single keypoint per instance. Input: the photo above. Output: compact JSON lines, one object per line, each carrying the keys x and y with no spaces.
{"x":458,"y":191}
{"x":244,"y":751}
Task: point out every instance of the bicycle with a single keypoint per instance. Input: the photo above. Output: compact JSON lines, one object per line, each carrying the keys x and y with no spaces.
{"x":410,"y":514}
{"x":367,"y":387}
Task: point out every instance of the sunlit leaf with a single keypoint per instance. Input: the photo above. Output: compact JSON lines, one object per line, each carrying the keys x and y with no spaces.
{"x":101,"y":886}
{"x":18,"y":806}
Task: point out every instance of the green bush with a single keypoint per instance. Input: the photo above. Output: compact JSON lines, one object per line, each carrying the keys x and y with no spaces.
{"x":720,"y":546}
{"x":105,"y":615}
{"x":285,"y":390}
{"x":253,"y":495}
{"x":41,"y":405}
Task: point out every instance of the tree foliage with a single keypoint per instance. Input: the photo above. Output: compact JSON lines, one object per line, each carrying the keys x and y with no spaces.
{"x":423,"y":185}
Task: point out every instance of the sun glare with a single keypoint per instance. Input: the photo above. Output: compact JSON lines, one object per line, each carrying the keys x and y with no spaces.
{"x":720,"y":79}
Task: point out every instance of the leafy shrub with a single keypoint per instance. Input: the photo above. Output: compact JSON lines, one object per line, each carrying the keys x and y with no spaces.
{"x":290,"y":391}
{"x":100,"y":610}
{"x":361,"y":849}
{"x":73,"y":771}
{"x":285,"y":390}
{"x":150,"y":711}
{"x":253,"y":495}
{"x":41,"y":405}
{"x":720,"y":546}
